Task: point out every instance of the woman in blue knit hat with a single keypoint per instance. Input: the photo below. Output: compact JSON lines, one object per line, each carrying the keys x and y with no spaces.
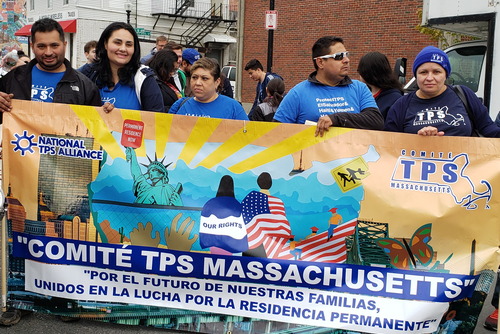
{"x":437,"y":109}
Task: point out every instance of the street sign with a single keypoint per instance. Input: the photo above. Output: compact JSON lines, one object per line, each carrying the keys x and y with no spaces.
{"x":271,"y":19}
{"x":143,"y":32}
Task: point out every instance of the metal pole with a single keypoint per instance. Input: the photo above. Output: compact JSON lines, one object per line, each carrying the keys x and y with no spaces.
{"x":270,"y":42}
{"x":128,"y":16}
{"x":3,"y":252}
{"x":239,"y":52}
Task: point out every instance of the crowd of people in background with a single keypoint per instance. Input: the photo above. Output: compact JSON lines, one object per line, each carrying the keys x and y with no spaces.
{"x":328,"y":97}
{"x":170,"y":79}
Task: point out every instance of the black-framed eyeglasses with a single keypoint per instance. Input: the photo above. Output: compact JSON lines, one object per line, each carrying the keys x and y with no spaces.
{"x":335,"y":56}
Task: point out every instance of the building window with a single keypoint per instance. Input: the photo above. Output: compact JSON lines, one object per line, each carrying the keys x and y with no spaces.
{"x":65,"y":2}
{"x":32,"y":5}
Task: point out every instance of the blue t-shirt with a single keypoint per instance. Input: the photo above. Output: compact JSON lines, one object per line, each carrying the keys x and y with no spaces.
{"x":445,"y":112}
{"x":310,"y":101}
{"x":43,"y":84}
{"x":221,"y":107}
{"x":121,"y":96}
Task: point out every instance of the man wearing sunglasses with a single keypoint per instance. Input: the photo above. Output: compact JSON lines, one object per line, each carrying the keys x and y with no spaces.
{"x":329,"y":97}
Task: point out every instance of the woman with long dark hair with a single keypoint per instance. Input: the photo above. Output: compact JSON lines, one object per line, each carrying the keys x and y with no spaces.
{"x":376,"y":72}
{"x":265,"y":111}
{"x":121,"y":79}
{"x":164,"y":63}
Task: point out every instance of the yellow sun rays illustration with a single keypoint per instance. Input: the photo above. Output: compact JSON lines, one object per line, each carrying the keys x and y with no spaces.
{"x":238,"y":135}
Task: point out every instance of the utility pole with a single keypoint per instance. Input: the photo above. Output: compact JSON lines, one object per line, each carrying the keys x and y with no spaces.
{"x":270,"y":42}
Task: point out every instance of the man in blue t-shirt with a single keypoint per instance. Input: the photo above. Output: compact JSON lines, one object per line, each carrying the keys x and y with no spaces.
{"x":256,"y":72}
{"x":49,"y":77}
{"x":329,"y":97}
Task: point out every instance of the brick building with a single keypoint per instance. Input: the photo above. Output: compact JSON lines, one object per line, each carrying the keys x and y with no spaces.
{"x":384,"y":26}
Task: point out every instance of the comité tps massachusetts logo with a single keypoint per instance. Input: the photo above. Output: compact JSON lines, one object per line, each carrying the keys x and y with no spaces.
{"x":441,"y":174}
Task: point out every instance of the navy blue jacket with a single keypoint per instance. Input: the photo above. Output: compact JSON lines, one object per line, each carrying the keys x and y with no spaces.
{"x":386,"y":99}
{"x":147,"y":89}
{"x":481,"y":118}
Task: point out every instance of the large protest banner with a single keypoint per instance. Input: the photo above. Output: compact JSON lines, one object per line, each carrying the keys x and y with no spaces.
{"x":359,"y":230}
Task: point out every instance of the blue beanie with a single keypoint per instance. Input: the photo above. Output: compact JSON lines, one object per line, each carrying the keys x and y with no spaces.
{"x":433,"y":55}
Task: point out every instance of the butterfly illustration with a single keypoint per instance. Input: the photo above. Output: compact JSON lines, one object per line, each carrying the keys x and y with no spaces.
{"x":416,"y":253}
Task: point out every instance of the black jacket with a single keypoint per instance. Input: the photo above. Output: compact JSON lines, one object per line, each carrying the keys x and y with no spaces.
{"x":227,"y":89}
{"x":169,"y":96}
{"x":74,"y":87}
{"x":264,"y":112}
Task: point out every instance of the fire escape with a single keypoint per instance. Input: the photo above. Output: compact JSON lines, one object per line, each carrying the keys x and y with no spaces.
{"x":201,"y":26}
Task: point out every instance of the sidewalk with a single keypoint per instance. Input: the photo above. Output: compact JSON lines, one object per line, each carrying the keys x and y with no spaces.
{"x":37,"y":323}
{"x":41,"y":323}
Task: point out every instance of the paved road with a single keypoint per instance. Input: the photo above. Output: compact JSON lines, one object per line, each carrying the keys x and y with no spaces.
{"x":40,"y":324}
{"x":37,"y":323}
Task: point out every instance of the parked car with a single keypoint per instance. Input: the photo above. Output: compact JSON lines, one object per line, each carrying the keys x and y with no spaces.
{"x":230,"y":72}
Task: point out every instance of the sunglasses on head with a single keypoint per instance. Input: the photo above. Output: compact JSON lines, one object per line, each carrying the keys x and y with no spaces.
{"x":335,"y":56}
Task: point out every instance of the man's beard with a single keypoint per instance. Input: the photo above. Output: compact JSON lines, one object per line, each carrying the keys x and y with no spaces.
{"x":51,"y":67}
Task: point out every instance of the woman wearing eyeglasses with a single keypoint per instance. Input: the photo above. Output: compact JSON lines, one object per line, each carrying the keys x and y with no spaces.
{"x":329,"y":97}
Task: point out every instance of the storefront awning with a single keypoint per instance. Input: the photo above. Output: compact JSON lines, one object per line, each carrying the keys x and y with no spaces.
{"x":219,"y":38}
{"x":68,"y":26}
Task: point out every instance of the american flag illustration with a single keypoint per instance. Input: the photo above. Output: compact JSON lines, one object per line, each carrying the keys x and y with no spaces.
{"x":315,"y":248}
{"x":267,"y":225}
{"x":265,"y":219}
